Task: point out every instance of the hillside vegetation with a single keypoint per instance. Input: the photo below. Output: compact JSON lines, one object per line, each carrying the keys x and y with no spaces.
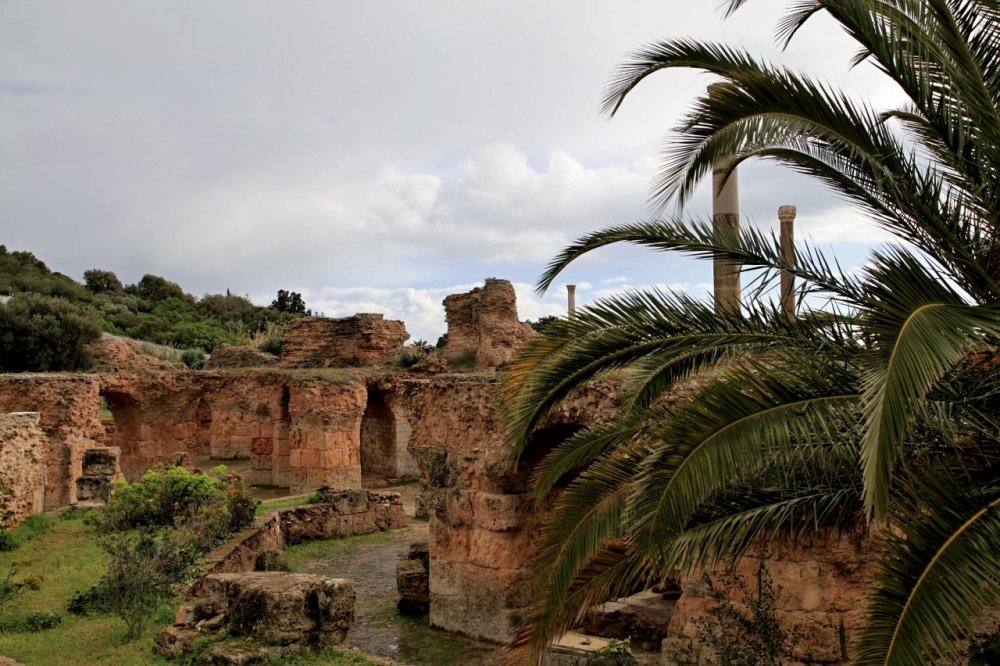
{"x":154,"y":309}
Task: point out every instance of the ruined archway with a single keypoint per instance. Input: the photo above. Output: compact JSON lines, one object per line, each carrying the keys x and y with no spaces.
{"x":384,"y":436}
{"x":124,"y":427}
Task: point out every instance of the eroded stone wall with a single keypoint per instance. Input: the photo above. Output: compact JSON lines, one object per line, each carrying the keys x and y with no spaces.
{"x":483,"y":522}
{"x":364,"y":339}
{"x":67,"y":406}
{"x":822,"y":590}
{"x":483,"y":328}
{"x":385,"y":435}
{"x":23,"y":446}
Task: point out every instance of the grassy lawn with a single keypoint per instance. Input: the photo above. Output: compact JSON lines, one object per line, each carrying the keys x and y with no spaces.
{"x":283,"y":503}
{"x":65,"y":559}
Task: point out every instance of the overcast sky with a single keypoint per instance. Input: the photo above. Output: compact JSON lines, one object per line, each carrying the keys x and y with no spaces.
{"x":374,"y":156}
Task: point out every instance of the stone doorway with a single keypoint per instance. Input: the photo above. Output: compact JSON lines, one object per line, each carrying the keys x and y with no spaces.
{"x":385,"y":432}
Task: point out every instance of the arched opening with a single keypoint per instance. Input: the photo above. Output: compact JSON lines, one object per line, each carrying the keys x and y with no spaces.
{"x":384,"y":437}
{"x":123,"y":428}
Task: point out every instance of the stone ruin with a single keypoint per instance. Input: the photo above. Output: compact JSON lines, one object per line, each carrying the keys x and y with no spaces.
{"x":22,"y":467}
{"x":306,"y":430}
{"x":364,"y":339}
{"x":483,"y":329}
{"x":231,"y":356}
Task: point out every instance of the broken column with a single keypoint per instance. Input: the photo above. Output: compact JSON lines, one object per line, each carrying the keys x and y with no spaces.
{"x":571,"y":300}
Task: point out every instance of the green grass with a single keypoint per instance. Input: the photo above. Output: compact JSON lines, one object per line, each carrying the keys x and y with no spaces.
{"x":310,"y":551}
{"x":66,"y":558}
{"x":283,"y":503}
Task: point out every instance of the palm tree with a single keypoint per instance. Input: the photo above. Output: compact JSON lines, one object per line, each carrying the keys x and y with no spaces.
{"x":875,"y":409}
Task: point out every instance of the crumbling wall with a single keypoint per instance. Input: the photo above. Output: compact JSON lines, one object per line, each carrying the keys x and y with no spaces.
{"x":23,"y":447}
{"x":385,"y":435}
{"x":822,"y":590}
{"x":67,"y":406}
{"x":364,"y":339}
{"x":483,"y":327}
{"x":300,"y":433}
{"x":484,"y":524}
{"x":232,"y":356}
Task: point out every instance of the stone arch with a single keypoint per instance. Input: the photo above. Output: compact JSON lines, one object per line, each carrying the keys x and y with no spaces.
{"x":385,"y":433}
{"x":128,"y":432}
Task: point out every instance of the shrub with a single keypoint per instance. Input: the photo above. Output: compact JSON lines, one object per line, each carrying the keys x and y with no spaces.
{"x":745,"y":633}
{"x":141,"y":570}
{"x":43,"y":334}
{"x":193,"y":358}
{"x":31,"y":623}
{"x":272,"y":346}
{"x":8,"y":541}
{"x":212,"y":505}
{"x":90,"y":601}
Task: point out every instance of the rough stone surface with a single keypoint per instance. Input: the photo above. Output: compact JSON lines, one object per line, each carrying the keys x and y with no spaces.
{"x":23,"y":446}
{"x":121,"y":355}
{"x":483,"y":328}
{"x":351,"y":513}
{"x":364,"y":339}
{"x":67,"y":406}
{"x":413,"y":580}
{"x":99,"y":471}
{"x":282,"y":608}
{"x":232,"y":356}
{"x":483,"y":523}
{"x":822,"y":587}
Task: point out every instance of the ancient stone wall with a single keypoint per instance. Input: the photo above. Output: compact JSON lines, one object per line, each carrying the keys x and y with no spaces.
{"x":232,"y":356}
{"x":364,"y":339}
{"x":483,"y":522}
{"x":385,"y":434}
{"x":822,"y":588}
{"x":67,"y":406}
{"x":23,"y":447}
{"x":483,"y":328}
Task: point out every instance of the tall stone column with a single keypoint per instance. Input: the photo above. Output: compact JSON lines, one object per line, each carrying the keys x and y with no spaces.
{"x":571,"y":300}
{"x":786,"y":216}
{"x":726,"y":226}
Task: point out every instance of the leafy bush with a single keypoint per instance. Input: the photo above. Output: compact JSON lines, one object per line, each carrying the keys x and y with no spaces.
{"x":745,"y":633}
{"x":193,"y":358}
{"x":213,"y":505}
{"x":44,"y":334}
{"x":91,"y":601}
{"x":31,"y":623}
{"x":272,"y":346}
{"x":142,"y":568}
{"x":8,"y":541}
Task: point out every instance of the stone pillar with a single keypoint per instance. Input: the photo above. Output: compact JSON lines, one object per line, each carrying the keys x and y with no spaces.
{"x":786,"y":215}
{"x":571,"y":300}
{"x":726,"y":226}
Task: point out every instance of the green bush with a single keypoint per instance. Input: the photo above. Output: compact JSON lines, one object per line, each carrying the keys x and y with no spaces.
{"x":193,"y":358}
{"x":213,"y":505}
{"x":31,"y":623}
{"x":142,"y":568}
{"x":272,"y":346}
{"x":44,"y":334}
{"x":8,"y":541}
{"x":99,"y":281}
{"x":91,"y":601}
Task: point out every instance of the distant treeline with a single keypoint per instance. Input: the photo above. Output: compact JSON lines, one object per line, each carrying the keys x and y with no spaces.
{"x":154,"y":309}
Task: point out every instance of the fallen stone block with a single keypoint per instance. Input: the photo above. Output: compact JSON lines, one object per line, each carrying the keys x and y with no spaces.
{"x":282,"y":608}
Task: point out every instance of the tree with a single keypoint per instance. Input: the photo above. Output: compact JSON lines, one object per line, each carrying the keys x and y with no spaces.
{"x":44,"y":334}
{"x":99,"y":281}
{"x":874,"y":410}
{"x":290,"y":302}
{"x":156,"y":288}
